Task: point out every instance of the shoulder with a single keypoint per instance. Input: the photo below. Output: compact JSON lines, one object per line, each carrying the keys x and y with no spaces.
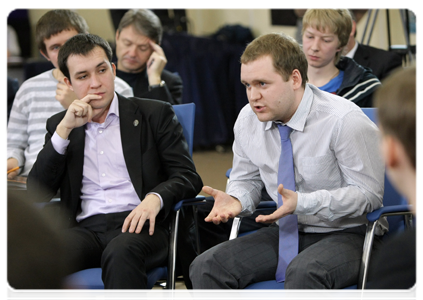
{"x":143,"y":106}
{"x":168,"y":76}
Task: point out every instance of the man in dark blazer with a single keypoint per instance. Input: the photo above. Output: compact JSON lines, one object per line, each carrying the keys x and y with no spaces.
{"x":380,"y":61}
{"x":120,"y":165}
{"x":141,"y":60}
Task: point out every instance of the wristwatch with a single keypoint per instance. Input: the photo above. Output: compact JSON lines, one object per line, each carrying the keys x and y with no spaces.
{"x":162,"y":83}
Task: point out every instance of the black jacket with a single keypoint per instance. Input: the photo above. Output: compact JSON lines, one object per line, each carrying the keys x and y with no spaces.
{"x":171,"y":91}
{"x":155,"y":151}
{"x":358,"y":84}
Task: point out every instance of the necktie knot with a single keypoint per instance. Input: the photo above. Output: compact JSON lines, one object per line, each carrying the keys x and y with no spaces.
{"x":284,"y":131}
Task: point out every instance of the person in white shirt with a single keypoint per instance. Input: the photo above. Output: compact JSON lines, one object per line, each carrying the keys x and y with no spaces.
{"x":43,"y":95}
{"x":339,"y":177}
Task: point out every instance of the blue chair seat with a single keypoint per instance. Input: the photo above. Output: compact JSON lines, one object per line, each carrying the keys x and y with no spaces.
{"x":272,"y":290}
{"x":91,"y":278}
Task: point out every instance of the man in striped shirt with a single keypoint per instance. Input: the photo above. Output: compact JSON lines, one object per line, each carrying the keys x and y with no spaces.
{"x":325,"y":34}
{"x":46,"y":94}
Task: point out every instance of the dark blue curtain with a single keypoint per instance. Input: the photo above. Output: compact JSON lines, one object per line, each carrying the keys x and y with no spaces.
{"x":210,"y":70}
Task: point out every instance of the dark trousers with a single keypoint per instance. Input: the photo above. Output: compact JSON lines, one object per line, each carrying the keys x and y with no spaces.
{"x":125,"y":258}
{"x":326,"y":260}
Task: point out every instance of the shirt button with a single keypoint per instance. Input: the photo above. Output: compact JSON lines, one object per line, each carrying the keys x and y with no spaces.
{"x":103,"y":174}
{"x":110,"y":200}
{"x":101,"y":152}
{"x":100,"y":131}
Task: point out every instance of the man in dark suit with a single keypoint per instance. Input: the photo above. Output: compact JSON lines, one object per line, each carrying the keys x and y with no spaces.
{"x":381,"y":62}
{"x":141,"y":60}
{"x":120,"y":165}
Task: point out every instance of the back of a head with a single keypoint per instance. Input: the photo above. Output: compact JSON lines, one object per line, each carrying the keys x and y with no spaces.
{"x":336,"y":21}
{"x":284,"y":50}
{"x":34,"y":253}
{"x":145,"y":22}
{"x":81,"y":44}
{"x":54,"y":22}
{"x":396,"y":104}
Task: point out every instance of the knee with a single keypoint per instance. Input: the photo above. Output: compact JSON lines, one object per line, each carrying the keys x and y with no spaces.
{"x":200,"y":265}
{"x":119,"y":252}
{"x":306,"y":274}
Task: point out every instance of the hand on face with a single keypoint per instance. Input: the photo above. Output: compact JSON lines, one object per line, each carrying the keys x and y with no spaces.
{"x":78,"y":114}
{"x":289,"y":198}
{"x":64,"y":94}
{"x":224,"y":208}
{"x":155,"y":64}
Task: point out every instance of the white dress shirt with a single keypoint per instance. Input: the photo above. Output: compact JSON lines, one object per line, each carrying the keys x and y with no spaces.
{"x":339,"y":172}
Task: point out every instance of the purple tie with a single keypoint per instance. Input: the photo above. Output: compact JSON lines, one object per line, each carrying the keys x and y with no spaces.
{"x":288,"y":226}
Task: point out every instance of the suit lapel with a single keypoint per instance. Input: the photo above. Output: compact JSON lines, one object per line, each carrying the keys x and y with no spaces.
{"x":130,"y":130}
{"x":76,"y":159}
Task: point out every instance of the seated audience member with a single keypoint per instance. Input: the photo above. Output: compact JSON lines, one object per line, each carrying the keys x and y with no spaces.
{"x":42,"y":96}
{"x":120,"y":164}
{"x":393,"y":266}
{"x":35,"y":249}
{"x":325,"y":34}
{"x":324,"y":184}
{"x":380,"y":61}
{"x":11,"y":87}
{"x":141,"y":60}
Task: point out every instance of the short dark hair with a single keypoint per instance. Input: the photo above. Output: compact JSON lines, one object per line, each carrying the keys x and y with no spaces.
{"x":81,"y":44}
{"x":396,"y":104}
{"x":54,"y":22}
{"x":145,"y":22}
{"x":285,"y":52}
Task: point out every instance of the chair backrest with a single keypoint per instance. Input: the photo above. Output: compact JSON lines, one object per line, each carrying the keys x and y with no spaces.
{"x":186,"y":116}
{"x":391,"y":195}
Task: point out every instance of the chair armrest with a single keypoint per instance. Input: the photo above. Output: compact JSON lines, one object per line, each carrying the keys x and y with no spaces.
{"x":189,"y":202}
{"x":388,"y":210}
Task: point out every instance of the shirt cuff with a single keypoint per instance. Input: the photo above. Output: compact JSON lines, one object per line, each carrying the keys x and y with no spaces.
{"x":59,"y":144}
{"x":160,"y":197}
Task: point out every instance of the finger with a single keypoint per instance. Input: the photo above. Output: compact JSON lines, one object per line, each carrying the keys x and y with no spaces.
{"x":89,"y":97}
{"x":152,"y":225}
{"x":280,"y":189}
{"x":12,"y":175}
{"x":156,"y":48}
{"x":209,"y":190}
{"x":127,"y":222}
{"x":137,"y":226}
{"x":264,"y":219}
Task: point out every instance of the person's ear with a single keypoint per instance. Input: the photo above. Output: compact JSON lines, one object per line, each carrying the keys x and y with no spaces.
{"x":113,"y":68}
{"x":297,"y":79}
{"x":68,"y":83}
{"x":390,"y":151}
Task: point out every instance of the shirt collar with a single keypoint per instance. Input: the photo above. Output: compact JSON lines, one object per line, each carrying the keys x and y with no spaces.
{"x":299,"y":118}
{"x":351,"y":53}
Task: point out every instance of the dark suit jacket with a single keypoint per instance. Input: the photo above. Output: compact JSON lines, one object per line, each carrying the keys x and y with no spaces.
{"x":381,"y":62}
{"x":155,"y":152}
{"x":171,"y":92}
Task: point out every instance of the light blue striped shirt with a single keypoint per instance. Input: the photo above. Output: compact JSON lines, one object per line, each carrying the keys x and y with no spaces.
{"x":339,"y":171}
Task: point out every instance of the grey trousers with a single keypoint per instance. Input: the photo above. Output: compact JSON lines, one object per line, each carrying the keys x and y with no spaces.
{"x":325,"y":261}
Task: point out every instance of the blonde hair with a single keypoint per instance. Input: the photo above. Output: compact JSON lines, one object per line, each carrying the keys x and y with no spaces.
{"x":337,"y":21}
{"x":285,"y":52}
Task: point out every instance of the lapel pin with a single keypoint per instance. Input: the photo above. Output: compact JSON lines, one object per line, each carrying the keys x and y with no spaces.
{"x":136,"y":123}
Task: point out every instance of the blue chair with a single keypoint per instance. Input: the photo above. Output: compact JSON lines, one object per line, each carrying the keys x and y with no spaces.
{"x":394,"y":206}
{"x":91,"y":278}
